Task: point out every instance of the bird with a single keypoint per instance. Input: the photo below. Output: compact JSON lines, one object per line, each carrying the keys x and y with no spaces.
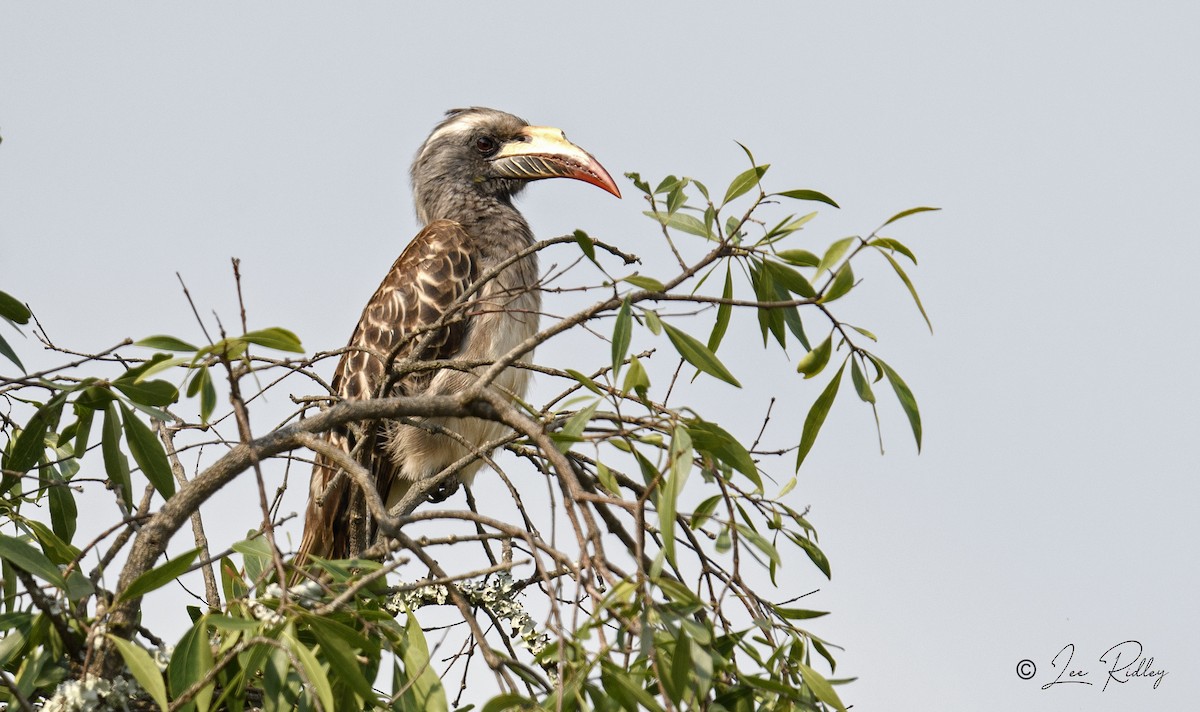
{"x":464,"y":179}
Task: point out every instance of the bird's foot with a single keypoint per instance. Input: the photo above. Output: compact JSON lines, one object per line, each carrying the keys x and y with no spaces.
{"x":445,"y":489}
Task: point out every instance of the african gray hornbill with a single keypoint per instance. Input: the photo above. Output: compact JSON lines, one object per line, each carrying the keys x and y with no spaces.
{"x":464,"y":179}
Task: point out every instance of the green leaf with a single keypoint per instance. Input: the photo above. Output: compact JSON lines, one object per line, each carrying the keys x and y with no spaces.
{"x":585,"y":243}
{"x":649,"y":284}
{"x":31,"y":443}
{"x":699,"y":355}
{"x":798,"y":614}
{"x":115,"y":463}
{"x":585,"y":381}
{"x":313,"y":670}
{"x":202,"y":383}
{"x":639,"y":183}
{"x":710,"y":438}
{"x":907,"y":401}
{"x":802,"y":258}
{"x":816,"y":416}
{"x":724,"y":312}
{"x":158,"y":577}
{"x":904,"y":214}
{"x":190,"y":662}
{"x":814,"y":553}
{"x":148,"y":453}
{"x":861,"y":384}
{"x":815,"y":361}
{"x":12,"y":309}
{"x":744,"y":182}
{"x":820,"y":686}
{"x":8,"y":353}
{"x":843,"y":281}
{"x":163,"y":342}
{"x":622,"y":333}
{"x":337,"y":649}
{"x":894,"y":245}
{"x":64,"y":515}
{"x":154,"y":393}
{"x":276,"y":338}
{"x":636,"y":378}
{"x":507,"y":702}
{"x":911,"y":289}
{"x":58,"y":551}
{"x":682,"y":222}
{"x":790,"y":279}
{"x":426,"y":686}
{"x":805,"y":195}
{"x":808,"y":195}
{"x":572,"y":430}
{"x":653,"y":322}
{"x":834,"y":254}
{"x":144,"y":669}
{"x":30,"y":559}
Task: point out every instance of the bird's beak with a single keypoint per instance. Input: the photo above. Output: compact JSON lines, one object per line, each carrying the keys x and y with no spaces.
{"x":545,"y":152}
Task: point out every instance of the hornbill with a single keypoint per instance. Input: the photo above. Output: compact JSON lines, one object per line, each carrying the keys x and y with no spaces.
{"x":429,"y":308}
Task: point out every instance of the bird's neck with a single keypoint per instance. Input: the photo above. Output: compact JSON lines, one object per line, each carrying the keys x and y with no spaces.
{"x":491,"y":219}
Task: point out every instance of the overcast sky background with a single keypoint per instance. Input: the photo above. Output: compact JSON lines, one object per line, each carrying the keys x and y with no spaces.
{"x":1055,"y":499}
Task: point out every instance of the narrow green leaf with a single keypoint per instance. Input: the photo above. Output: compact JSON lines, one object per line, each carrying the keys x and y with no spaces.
{"x":572,"y":430}
{"x":339,"y":650}
{"x":906,"y":213}
{"x":158,"y":577}
{"x":861,"y":385}
{"x":813,"y":551}
{"x":681,"y":666}
{"x":622,"y":333}
{"x":30,"y":559}
{"x":697,"y":354}
{"x":585,"y":381}
{"x":313,"y":670}
{"x":64,"y":515}
{"x":843,"y":281}
{"x":724,"y":312}
{"x":681,"y":221}
{"x":798,"y":614}
{"x":426,"y":685}
{"x":144,"y":669}
{"x":7,"y":352}
{"x":83,"y":429}
{"x":895,"y":245}
{"x":911,"y":289}
{"x":649,"y":284}
{"x":31,"y":443}
{"x":276,"y":338}
{"x":638,"y":183}
{"x":163,"y":342}
{"x":58,"y":551}
{"x":636,"y":378}
{"x":790,"y":279}
{"x":808,"y":195}
{"x":507,"y":702}
{"x":907,"y":401}
{"x":834,"y":253}
{"x":653,"y":322}
{"x":190,"y":661}
{"x":585,"y":244}
{"x":153,"y":393}
{"x":744,"y":182}
{"x":712,"y":439}
{"x":163,"y":366}
{"x":115,"y":463}
{"x":12,"y":309}
{"x":704,"y":510}
{"x":148,"y":453}
{"x":816,"y":416}
{"x":802,"y":258}
{"x":820,"y":687}
{"x":759,"y":542}
{"x":815,"y":361}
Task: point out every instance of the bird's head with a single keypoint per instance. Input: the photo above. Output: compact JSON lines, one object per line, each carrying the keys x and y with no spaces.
{"x":484,"y":153}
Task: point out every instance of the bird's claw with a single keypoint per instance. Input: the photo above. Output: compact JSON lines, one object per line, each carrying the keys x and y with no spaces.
{"x":445,"y":489}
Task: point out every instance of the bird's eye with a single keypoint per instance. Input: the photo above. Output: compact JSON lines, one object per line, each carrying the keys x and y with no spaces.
{"x":486,"y":145}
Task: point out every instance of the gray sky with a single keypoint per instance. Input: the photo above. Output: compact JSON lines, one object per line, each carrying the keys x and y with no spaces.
{"x":1054,"y":501}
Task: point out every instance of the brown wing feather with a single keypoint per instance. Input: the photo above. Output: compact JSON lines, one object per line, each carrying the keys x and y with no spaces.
{"x":426,"y":280}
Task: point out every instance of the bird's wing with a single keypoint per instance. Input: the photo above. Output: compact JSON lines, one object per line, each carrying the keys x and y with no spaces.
{"x":425,"y":282}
